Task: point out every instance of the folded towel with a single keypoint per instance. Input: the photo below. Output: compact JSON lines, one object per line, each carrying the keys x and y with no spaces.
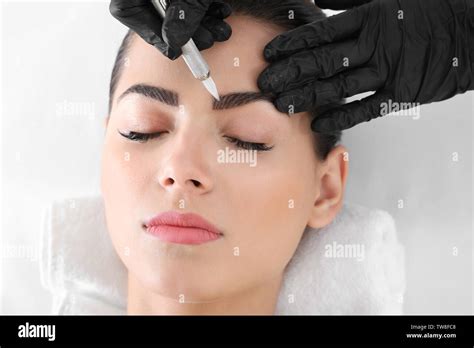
{"x":355,"y":265}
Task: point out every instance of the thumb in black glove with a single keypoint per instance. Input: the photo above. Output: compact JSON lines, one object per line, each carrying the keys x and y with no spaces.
{"x":202,"y":20}
{"x":408,"y":51}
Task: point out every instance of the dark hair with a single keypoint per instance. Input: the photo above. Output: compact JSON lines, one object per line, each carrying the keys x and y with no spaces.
{"x":288,"y":14}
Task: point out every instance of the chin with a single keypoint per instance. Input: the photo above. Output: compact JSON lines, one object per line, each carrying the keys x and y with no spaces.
{"x":175,"y":277}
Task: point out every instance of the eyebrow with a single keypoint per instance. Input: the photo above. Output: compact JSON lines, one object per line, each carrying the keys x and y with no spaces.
{"x":169,"y":97}
{"x":234,"y":100}
{"x":157,"y":93}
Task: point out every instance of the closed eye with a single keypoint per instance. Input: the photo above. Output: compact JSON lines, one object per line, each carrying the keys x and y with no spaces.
{"x":249,"y":145}
{"x":141,"y":137}
{"x":246,"y":145}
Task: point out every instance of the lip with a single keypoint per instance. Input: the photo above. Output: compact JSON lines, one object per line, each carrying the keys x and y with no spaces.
{"x":182,"y":228}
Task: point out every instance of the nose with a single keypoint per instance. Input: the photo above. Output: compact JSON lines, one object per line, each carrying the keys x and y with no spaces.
{"x":186,"y":168}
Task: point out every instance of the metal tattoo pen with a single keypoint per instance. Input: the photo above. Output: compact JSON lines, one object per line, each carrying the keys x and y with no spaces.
{"x":193,"y":57}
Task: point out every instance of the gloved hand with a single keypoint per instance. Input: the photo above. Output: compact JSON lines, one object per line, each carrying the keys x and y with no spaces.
{"x":339,"y":4}
{"x":203,"y":22}
{"x":408,"y":51}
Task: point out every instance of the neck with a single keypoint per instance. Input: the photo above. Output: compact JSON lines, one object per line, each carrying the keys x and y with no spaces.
{"x":260,"y":300}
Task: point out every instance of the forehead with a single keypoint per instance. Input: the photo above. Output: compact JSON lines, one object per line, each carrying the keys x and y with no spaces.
{"x":234,"y":64}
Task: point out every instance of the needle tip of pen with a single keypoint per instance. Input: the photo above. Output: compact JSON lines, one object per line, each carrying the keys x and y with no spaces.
{"x":211,"y":87}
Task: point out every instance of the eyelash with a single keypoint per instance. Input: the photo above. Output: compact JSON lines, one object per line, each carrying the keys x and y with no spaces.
{"x":248,"y":145}
{"x":144,"y":137}
{"x":141,"y":137}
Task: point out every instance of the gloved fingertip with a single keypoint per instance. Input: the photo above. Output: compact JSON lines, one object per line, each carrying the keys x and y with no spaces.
{"x":174,"y":56}
{"x":272,"y":80}
{"x":226,"y":32}
{"x":281,"y":107}
{"x":225,"y":11}
{"x":171,"y":52}
{"x":286,"y":105}
{"x":268,"y":53}
{"x":262,"y":82}
{"x":292,"y":103}
{"x":221,"y":31}
{"x":275,"y":48}
{"x":203,"y":38}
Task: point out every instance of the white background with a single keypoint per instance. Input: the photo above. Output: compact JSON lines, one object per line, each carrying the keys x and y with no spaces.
{"x":56,"y":52}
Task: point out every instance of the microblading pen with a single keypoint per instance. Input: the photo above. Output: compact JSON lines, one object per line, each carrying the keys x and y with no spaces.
{"x":193,"y":57}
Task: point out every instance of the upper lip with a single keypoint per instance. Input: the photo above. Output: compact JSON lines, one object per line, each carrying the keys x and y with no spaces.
{"x":173,"y":218}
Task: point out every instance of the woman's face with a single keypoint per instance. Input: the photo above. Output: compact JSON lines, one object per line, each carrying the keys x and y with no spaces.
{"x":262,"y":207}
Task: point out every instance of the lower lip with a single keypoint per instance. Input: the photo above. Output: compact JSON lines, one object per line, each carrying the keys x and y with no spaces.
{"x":182,"y":235}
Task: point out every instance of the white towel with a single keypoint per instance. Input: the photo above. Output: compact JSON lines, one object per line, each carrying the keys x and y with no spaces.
{"x":81,"y":269}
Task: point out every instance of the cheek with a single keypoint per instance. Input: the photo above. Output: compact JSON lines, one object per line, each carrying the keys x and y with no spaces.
{"x":124,"y":172}
{"x":271,"y":204}
{"x":122,"y":187}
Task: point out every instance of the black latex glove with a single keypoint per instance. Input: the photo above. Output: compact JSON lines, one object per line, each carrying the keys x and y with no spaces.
{"x":203,"y":22}
{"x":339,"y":4}
{"x":426,"y":56}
